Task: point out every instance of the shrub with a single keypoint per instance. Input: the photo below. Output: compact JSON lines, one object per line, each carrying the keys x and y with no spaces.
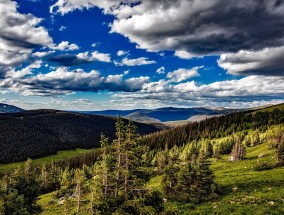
{"x":261,"y":166}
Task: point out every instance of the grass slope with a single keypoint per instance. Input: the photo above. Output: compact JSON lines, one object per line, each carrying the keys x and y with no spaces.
{"x":51,"y":207}
{"x":60,"y":155}
{"x":271,"y":108}
{"x":244,"y":190}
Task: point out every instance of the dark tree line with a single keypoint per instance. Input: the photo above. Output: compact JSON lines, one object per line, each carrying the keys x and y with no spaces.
{"x":34,"y":134}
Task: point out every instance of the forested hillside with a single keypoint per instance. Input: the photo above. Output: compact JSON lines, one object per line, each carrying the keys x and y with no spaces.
{"x":32,"y":134}
{"x":215,"y":128}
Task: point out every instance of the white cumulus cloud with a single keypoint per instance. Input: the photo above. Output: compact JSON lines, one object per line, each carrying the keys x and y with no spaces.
{"x":183,"y":74}
{"x":65,"y":45}
{"x":135,"y":62}
{"x":161,"y":70}
{"x":19,"y":35}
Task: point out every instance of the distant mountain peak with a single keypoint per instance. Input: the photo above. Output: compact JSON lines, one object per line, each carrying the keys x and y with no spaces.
{"x":141,"y":117}
{"x":5,"y":108}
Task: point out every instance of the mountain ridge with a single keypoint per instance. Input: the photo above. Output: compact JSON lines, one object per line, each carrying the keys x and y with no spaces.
{"x":5,"y":108}
{"x":164,"y":114}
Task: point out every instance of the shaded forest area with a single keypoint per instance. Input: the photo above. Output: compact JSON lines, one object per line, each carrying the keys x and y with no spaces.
{"x":33,"y":134}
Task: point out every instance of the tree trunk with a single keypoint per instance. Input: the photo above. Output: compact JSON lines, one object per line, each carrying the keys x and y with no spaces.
{"x":126,"y":177}
{"x":92,"y":202}
{"x":79,"y":198}
{"x":118,"y":163}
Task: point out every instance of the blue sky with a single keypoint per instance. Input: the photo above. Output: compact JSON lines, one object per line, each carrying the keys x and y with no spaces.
{"x":93,"y":55}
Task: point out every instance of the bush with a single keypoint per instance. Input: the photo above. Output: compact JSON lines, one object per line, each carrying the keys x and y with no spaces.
{"x":261,"y":166}
{"x":155,"y":200}
{"x":171,"y":210}
{"x":135,"y":207}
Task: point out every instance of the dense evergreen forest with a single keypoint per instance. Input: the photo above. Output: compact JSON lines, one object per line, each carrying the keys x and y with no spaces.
{"x":119,"y":177}
{"x":33,"y":134}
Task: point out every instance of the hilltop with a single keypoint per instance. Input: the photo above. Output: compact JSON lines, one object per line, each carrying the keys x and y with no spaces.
{"x":270,"y":108}
{"x":38,"y":133}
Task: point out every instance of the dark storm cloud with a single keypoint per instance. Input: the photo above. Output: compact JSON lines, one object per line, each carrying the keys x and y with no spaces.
{"x":197,"y":28}
{"x":81,"y":58}
{"x":68,"y":60}
{"x":62,"y":81}
{"x":19,"y":35}
{"x":204,"y":27}
{"x":248,"y":34}
{"x":19,"y":42}
{"x":269,"y":61}
{"x":201,"y":27}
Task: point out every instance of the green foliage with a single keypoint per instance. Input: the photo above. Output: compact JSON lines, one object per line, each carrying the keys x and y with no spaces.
{"x":241,"y":189}
{"x":239,"y":150}
{"x":277,"y":142}
{"x":135,"y":207}
{"x":155,"y":200}
{"x":14,"y":203}
{"x":19,"y":193}
{"x":191,"y":182}
{"x":262,"y":165}
{"x":119,"y":176}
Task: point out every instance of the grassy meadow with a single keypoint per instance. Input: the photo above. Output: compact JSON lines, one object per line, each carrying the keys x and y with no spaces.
{"x":60,"y":155}
{"x":242,"y":189}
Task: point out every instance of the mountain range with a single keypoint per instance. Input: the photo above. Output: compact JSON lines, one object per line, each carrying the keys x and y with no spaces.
{"x":167,"y":114}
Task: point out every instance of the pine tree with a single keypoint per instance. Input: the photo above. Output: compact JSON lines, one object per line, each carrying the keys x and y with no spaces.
{"x":170,"y":180}
{"x":279,"y":147}
{"x":131,"y":162}
{"x":216,"y":152}
{"x":120,"y":174}
{"x":190,"y":181}
{"x":98,"y":195}
{"x":238,"y":151}
{"x":279,"y":153}
{"x":2,"y":208}
{"x":44,"y":176}
{"x":28,"y":166}
{"x":105,"y":163}
{"x":79,"y":179}
{"x":14,"y":203}
{"x":120,"y":135}
{"x":67,"y":206}
{"x":21,"y":191}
